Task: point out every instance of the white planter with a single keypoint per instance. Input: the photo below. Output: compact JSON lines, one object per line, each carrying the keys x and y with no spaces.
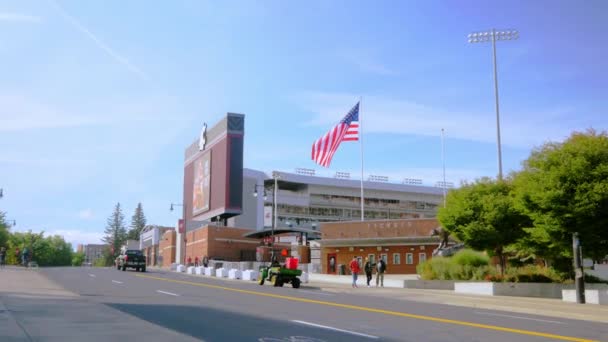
{"x":190,"y":270}
{"x":541,"y":290}
{"x":221,"y":273}
{"x":199,"y":270}
{"x":234,"y":274}
{"x":250,"y":275}
{"x":173,"y":267}
{"x":209,"y":271}
{"x":304,"y":277}
{"x":180,"y":268}
{"x":486,"y":289}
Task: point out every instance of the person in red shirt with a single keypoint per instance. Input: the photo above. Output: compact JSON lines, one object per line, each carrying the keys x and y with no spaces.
{"x":195,"y":261}
{"x":355,"y":269}
{"x":189,"y":261}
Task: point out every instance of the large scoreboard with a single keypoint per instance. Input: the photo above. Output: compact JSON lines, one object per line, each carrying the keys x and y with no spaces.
{"x":213,"y":171}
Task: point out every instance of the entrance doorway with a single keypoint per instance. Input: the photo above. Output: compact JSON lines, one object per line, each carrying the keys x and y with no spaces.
{"x":331,"y":263}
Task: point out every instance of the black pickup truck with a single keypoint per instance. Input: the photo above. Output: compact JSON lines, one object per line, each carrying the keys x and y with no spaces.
{"x":131,"y":258}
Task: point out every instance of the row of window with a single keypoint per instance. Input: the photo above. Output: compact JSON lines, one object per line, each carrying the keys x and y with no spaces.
{"x":396,"y":260}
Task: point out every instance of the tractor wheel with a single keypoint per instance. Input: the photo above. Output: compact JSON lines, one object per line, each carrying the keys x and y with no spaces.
{"x":261,"y":279}
{"x":274,"y":280}
{"x":295,"y":283}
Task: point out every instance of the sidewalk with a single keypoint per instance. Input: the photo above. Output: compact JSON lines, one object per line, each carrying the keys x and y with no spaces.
{"x":525,"y":305}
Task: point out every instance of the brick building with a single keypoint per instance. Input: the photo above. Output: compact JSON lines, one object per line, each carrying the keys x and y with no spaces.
{"x":402,"y":243}
{"x":166,"y":248}
{"x":225,"y":243}
{"x":149,"y":243}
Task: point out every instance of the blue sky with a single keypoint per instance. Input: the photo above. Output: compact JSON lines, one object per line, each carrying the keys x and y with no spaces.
{"x":99,"y":99}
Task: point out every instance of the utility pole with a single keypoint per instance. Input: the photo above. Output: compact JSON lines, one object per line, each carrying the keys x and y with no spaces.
{"x":579,"y":274}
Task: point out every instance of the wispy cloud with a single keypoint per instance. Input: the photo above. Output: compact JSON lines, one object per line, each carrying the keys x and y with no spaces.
{"x":100,"y":44}
{"x":386,"y":115}
{"x":366,"y":63}
{"x":19,"y":18}
{"x":86,"y":214}
{"x":73,"y":236}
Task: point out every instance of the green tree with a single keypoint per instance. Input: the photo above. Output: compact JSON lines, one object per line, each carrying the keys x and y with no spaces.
{"x":138,"y":222}
{"x":115,"y":232}
{"x":77,"y":259}
{"x":483,"y":216}
{"x":4,"y":231}
{"x":564,"y":189}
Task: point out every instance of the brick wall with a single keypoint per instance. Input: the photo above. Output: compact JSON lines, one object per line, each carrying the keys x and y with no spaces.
{"x":227,"y":243}
{"x":379,"y":228}
{"x":166,"y":248}
{"x":345,"y":254}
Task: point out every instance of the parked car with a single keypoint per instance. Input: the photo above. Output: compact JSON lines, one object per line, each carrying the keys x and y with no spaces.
{"x":131,"y":258}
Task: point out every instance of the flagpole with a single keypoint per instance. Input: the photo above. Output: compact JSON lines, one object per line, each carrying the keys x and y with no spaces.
{"x":443,"y":162}
{"x":361,"y":147}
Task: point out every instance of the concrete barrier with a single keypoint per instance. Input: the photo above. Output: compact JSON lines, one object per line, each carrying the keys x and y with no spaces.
{"x":199,"y":270}
{"x":173,"y":266}
{"x":250,"y":275}
{"x":209,"y":271}
{"x":540,"y":290}
{"x":190,"y":270}
{"x":180,"y":268}
{"x":245,"y":265}
{"x":594,"y":294}
{"x":304,"y":277}
{"x":429,"y":284}
{"x":221,"y":273}
{"x":234,"y":274}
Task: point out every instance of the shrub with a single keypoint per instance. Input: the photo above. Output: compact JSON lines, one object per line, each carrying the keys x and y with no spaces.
{"x":444,"y":268}
{"x":435,"y":268}
{"x":533,"y":274}
{"x":469,"y":257}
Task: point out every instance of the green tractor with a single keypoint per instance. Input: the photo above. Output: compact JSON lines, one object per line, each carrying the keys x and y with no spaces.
{"x":278,"y":276}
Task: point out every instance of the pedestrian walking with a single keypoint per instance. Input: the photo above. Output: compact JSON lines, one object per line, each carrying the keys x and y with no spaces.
{"x":369,"y":267}
{"x":354,"y":269}
{"x":2,"y":257}
{"x":189,"y":261}
{"x":205,"y":261}
{"x":380,"y":268}
{"x":195,"y":261}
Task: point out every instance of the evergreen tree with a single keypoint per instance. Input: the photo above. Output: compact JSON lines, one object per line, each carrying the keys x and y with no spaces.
{"x":138,"y":222}
{"x":116,"y":233}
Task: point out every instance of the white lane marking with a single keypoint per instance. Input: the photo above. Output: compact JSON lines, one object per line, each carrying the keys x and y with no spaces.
{"x":117,"y":282}
{"x":169,"y":293}
{"x":316,"y":292}
{"x":335,"y":329}
{"x":518,"y":317}
{"x":91,"y":275}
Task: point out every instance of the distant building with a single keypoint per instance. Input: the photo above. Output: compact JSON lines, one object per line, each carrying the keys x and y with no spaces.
{"x":92,"y":253}
{"x":149,"y":243}
{"x":80,"y":248}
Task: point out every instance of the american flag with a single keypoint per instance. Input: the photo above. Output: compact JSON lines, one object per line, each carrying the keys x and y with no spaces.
{"x":347,"y":130}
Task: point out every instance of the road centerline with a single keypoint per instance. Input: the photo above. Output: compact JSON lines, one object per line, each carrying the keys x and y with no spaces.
{"x":381,"y":311}
{"x":335,"y":329}
{"x":117,"y":282}
{"x":92,"y":275}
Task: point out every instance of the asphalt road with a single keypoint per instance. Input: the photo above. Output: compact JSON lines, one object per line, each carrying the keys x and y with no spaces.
{"x":166,"y":306}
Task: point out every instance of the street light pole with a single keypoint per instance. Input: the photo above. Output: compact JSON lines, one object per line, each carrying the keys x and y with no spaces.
{"x":276,"y":177}
{"x":494,"y":36}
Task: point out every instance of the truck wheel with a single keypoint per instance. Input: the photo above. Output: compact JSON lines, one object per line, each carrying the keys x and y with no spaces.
{"x":124,"y":268}
{"x":136,"y":269}
{"x":295,"y":283}
{"x":143,"y":269}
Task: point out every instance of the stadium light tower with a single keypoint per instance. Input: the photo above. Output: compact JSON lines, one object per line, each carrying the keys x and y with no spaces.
{"x":494,"y":35}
